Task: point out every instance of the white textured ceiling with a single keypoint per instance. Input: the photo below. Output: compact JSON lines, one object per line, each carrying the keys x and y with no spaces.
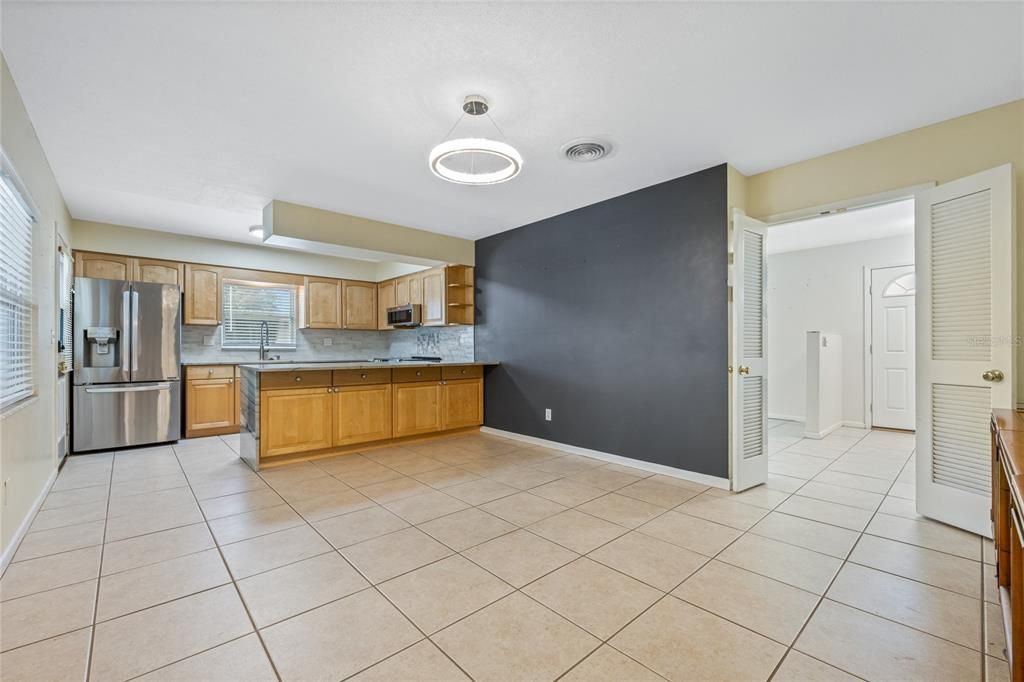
{"x":876,"y":222}
{"x":190,"y":117}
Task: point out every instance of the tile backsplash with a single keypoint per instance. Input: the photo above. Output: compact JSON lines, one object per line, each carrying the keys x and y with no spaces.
{"x":453,"y":344}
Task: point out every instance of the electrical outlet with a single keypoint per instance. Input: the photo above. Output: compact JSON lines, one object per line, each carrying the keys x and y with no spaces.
{"x":547,"y":414}
{"x":328,"y":341}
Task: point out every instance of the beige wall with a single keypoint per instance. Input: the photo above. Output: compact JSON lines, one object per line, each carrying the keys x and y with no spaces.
{"x":941,"y":152}
{"x":131,"y":241}
{"x":349,"y":232}
{"x":28,"y":437}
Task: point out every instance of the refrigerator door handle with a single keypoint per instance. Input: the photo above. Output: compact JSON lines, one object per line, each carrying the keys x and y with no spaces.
{"x":126,"y":341}
{"x":135,"y":331}
{"x":129,"y":389}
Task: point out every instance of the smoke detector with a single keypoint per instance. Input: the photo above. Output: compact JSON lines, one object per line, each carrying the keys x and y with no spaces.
{"x":586,"y":150}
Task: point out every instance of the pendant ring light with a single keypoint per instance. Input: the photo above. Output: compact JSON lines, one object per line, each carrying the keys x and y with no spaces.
{"x":475,"y":160}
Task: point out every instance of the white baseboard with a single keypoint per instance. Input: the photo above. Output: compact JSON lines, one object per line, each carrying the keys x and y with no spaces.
{"x":703,"y":479}
{"x":19,"y":534}
{"x":786,"y":417}
{"x":818,"y":435}
{"x":855,"y":425}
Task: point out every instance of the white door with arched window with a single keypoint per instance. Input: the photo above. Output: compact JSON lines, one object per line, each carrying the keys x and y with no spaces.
{"x":893,"y":404}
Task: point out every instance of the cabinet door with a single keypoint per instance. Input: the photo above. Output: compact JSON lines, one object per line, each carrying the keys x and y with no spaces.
{"x":103,"y":266}
{"x":323,"y":303}
{"x":362,"y":413}
{"x":463,"y":403}
{"x":359,"y":305}
{"x":402,"y":291}
{"x":417,"y":408}
{"x":202,"y":294}
{"x":385,"y":300}
{"x":416,"y":289}
{"x":158,"y":271}
{"x":295,"y":420}
{"x":433,"y":297}
{"x":210,"y":405}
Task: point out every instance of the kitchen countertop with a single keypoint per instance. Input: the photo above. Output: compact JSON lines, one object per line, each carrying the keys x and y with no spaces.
{"x":356,"y":364}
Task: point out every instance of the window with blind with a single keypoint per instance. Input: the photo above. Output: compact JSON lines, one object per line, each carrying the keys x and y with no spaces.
{"x":16,"y":379}
{"x":248,"y":304}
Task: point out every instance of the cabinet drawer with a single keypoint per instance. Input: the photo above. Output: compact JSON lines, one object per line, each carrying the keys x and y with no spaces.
{"x":354,"y":377}
{"x":300,"y":379}
{"x":463,"y":372}
{"x":210,"y":372}
{"x":402,"y":374}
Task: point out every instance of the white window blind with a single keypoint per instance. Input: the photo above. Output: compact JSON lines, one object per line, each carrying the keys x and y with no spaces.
{"x":248,"y":304}
{"x":15,"y":296}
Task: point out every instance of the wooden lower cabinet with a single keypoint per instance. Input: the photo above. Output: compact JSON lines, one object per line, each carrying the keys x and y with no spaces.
{"x":211,"y":407}
{"x":362,"y":414}
{"x":417,"y":408}
{"x":462,"y":403}
{"x":295,"y":420}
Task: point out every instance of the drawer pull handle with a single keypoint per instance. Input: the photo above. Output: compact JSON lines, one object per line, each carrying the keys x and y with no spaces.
{"x":419,"y":373}
{"x":462,"y":371}
{"x":363,"y":375}
{"x":298,"y":378}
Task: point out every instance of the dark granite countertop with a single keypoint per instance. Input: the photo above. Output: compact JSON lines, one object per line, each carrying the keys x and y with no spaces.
{"x":350,"y":364}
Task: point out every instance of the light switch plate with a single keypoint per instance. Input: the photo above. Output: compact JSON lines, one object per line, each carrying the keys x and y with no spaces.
{"x":207,"y":340}
{"x":547,"y":414}
{"x":328,"y":341}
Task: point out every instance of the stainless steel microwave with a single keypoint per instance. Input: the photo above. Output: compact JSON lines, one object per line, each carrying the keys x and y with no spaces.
{"x":404,"y":315}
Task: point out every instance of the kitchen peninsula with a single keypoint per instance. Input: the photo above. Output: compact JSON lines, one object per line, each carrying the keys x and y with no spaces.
{"x":293,"y":411}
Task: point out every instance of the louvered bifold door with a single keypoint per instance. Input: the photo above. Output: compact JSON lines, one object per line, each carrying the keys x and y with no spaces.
{"x":965,"y":326}
{"x":749,"y":466}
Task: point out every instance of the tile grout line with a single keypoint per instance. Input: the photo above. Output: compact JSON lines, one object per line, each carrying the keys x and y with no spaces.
{"x":832,"y":581}
{"x":99,"y":578}
{"x":231,"y":577}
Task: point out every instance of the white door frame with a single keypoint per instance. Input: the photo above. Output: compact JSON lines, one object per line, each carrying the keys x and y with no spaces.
{"x":869,"y":384}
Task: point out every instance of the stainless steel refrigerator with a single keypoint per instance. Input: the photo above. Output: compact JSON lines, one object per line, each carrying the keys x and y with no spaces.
{"x":127,"y":354}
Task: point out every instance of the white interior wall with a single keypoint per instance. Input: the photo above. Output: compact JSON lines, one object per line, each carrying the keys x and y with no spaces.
{"x":822,"y":289}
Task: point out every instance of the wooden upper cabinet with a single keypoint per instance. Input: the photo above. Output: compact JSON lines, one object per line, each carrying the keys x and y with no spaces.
{"x":359,"y":305}
{"x":433,"y":312}
{"x":462,"y":403}
{"x":323,"y":303}
{"x":416,"y":289}
{"x":158,"y":271}
{"x":202,"y":294}
{"x":402,"y":291}
{"x":103,"y":266}
{"x":460,"y":294}
{"x":385,"y":300}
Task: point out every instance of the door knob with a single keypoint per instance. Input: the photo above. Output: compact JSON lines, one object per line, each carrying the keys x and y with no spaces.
{"x":995,"y":375}
{"x":743,"y":370}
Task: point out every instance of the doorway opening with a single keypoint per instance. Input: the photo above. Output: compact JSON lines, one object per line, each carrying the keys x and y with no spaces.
{"x":840,"y":323}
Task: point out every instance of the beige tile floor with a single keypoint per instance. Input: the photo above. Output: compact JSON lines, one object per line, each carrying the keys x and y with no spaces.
{"x":475,"y":557}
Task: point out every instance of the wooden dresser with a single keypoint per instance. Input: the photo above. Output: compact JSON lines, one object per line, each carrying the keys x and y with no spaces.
{"x":1008,"y":528}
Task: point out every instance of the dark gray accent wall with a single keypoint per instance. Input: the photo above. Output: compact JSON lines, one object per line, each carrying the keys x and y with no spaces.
{"x":614,"y":317}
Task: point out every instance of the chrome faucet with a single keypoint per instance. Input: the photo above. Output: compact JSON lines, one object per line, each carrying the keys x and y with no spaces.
{"x":265,"y":342}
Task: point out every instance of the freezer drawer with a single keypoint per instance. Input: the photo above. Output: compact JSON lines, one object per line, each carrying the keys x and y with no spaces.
{"x":119,"y":415}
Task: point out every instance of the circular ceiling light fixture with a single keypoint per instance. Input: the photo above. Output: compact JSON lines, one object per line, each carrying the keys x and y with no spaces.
{"x":256,"y":231}
{"x":475,"y":160}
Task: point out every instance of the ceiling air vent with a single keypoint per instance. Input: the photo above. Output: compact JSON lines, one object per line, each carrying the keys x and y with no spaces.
{"x":586,"y":150}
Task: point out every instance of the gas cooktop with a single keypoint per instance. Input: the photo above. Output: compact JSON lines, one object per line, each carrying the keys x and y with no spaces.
{"x":411,"y":358}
